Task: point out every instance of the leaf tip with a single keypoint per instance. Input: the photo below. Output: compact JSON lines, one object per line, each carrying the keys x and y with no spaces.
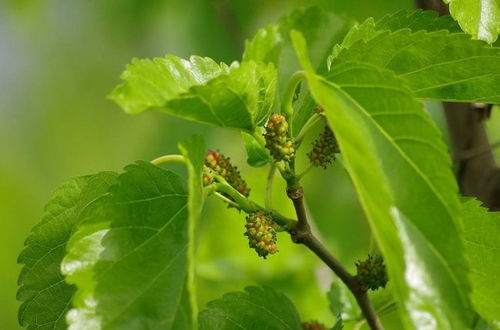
{"x":300,"y":46}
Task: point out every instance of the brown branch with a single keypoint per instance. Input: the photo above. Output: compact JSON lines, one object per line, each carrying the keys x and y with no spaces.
{"x":477,"y":176}
{"x":301,"y":234}
{"x":471,"y":153}
{"x":436,"y":5}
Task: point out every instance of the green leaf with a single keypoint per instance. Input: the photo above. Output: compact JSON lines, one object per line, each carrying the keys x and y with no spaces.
{"x":193,"y":151}
{"x":258,"y":155}
{"x":46,"y":297}
{"x":184,"y":315}
{"x":265,"y":46}
{"x":239,"y":96}
{"x":481,"y":18}
{"x":339,"y":323}
{"x":417,"y":20}
{"x":481,"y":236}
{"x":272,"y":44}
{"x":342,"y":302}
{"x":393,"y":153}
{"x":129,"y":258}
{"x":436,"y":65}
{"x":257,"y":308}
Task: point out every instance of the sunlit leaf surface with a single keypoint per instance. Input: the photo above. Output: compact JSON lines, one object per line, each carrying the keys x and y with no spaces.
{"x":393,"y":152}
{"x":129,"y":260}
{"x":46,"y":296}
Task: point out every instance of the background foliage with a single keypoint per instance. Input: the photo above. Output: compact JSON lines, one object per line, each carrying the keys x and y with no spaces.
{"x":59,"y":59}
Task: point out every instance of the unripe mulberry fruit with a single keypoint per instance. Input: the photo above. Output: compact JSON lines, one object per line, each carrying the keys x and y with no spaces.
{"x":261,"y":233}
{"x":277,"y":140}
{"x":218,"y":164}
{"x":372,"y":273}
{"x":313,"y":325}
{"x":324,"y":149}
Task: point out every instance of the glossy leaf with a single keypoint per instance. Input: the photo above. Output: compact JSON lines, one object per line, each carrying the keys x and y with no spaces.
{"x":198,"y":89}
{"x":393,"y":152}
{"x":129,"y":259}
{"x":257,"y":308}
{"x":193,"y":151}
{"x":272,"y":44}
{"x":436,"y":65}
{"x":481,"y":18}
{"x":45,"y":295}
{"x":481,"y":235}
{"x":258,"y":155}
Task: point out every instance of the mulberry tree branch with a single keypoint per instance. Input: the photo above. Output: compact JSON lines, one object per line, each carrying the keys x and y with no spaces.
{"x":301,"y":234}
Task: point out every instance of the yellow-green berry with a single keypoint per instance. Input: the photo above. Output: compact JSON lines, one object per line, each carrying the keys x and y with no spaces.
{"x":278,"y":142}
{"x":218,"y":164}
{"x":261,"y":233}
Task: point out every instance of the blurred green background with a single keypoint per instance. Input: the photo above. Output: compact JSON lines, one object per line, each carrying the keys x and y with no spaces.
{"x":59,"y":59}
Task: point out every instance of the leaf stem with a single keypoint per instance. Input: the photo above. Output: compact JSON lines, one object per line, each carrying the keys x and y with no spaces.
{"x":227,"y":200}
{"x":307,"y":126}
{"x":269,"y":186}
{"x":291,"y":86}
{"x":303,"y":174}
{"x":168,"y":159}
{"x":301,"y":234}
{"x":250,"y":206}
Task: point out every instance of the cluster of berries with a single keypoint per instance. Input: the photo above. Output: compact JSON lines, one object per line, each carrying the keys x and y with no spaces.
{"x":278,"y":141}
{"x":313,"y":325}
{"x":324,"y":149}
{"x":218,"y":164}
{"x":261,"y":233}
{"x":372,"y":273}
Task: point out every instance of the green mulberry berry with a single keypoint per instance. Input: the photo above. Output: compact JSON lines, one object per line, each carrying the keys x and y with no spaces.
{"x":372,"y":273}
{"x":218,"y":164}
{"x":324,"y":149}
{"x":261,"y":233}
{"x":277,"y":140}
{"x":313,"y":325}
